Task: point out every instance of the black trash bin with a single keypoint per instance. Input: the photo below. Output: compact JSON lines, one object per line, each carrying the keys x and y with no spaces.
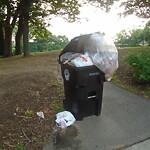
{"x":83,"y":86}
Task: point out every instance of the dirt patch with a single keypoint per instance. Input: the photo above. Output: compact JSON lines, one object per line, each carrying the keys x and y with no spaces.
{"x":28,"y":85}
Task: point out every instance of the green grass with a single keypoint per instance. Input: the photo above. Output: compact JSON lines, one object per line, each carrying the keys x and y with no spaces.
{"x":58,"y":109}
{"x":42,"y":53}
{"x":21,"y":56}
{"x":135,"y":48}
{"x":11,"y":58}
{"x":28,"y":113}
{"x":117,"y":82}
{"x":38,"y":53}
{"x":54,"y":83}
{"x":148,"y":92}
{"x":21,"y":147}
{"x":56,"y":102}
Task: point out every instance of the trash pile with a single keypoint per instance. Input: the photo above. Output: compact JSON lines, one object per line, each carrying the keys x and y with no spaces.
{"x":93,"y":49}
{"x":77,"y":59}
{"x":64,"y":119}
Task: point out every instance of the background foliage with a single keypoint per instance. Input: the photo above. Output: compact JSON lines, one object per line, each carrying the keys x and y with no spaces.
{"x":134,"y":37}
{"x":53,"y":42}
{"x":140,"y":63}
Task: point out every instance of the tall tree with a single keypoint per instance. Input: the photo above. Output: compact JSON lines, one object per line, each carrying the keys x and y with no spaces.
{"x":9,"y":14}
{"x":35,"y":11}
{"x":1,"y":39}
{"x":8,"y":27}
{"x":10,"y":10}
{"x":25,"y":13}
{"x":19,"y":36}
{"x":2,"y":28}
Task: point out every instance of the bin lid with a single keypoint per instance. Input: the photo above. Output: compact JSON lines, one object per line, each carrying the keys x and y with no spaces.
{"x":77,"y":44}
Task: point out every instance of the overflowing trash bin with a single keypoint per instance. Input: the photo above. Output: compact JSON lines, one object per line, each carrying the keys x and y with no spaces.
{"x":86,"y":63}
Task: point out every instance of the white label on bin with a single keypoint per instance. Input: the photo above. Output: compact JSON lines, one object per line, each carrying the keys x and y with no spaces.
{"x":67,"y":74}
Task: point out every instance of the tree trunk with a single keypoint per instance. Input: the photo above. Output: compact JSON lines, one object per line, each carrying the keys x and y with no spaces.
{"x":1,"y":40}
{"x":8,"y":42}
{"x":25,"y":35}
{"x":8,"y":28}
{"x":18,"y":36}
{"x":25,"y":13}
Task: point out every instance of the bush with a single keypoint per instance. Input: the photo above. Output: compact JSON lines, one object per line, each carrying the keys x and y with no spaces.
{"x":141,"y":64}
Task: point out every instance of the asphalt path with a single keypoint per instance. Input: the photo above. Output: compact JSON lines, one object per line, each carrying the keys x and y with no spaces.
{"x":124,"y":123}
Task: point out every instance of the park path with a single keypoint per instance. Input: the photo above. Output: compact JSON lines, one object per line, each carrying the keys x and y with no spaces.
{"x":124,"y":123}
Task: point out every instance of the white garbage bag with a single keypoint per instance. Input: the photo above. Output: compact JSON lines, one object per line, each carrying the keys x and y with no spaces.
{"x":66,"y":117}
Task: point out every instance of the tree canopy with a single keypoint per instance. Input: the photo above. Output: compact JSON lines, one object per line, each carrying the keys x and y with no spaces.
{"x":25,"y":13}
{"x":133,"y":37}
{"x":140,"y":8}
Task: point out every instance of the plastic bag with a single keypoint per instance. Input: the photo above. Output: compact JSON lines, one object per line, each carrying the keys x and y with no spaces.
{"x":77,"y":59}
{"x":82,"y":60}
{"x":103,"y":53}
{"x":40,"y":114}
{"x":67,"y":56}
{"x":64,"y":118}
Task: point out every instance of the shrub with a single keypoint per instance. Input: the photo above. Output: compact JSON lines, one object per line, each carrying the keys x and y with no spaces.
{"x":140,"y":63}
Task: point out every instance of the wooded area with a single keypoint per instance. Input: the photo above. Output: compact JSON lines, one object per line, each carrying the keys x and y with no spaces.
{"x":22,"y":13}
{"x":29,"y":17}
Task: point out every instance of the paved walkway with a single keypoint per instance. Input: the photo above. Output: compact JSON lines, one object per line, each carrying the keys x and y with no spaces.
{"x":123,"y":124}
{"x":145,"y":145}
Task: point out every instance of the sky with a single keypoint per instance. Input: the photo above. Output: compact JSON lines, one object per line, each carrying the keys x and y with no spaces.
{"x":95,"y":20}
